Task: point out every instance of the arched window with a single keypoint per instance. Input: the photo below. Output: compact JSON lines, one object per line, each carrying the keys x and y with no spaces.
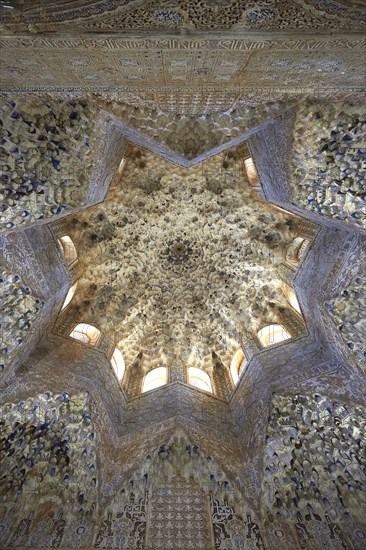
{"x":121,"y":165}
{"x":272,"y":334}
{"x":291,"y":297}
{"x":155,"y":378}
{"x":118,"y":364}
{"x":251,"y":171}
{"x":296,"y":250}
{"x":238,"y":362}
{"x":199,"y":378}
{"x":68,"y":249}
{"x":86,"y":333}
{"x":69,"y":296}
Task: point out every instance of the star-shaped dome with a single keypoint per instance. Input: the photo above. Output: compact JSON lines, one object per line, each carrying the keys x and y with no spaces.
{"x":178,"y":263}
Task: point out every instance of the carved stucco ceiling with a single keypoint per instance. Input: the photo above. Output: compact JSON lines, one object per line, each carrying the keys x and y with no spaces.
{"x":113,"y":16}
{"x":185,"y":66}
{"x":178,"y":262}
{"x":189,"y":57}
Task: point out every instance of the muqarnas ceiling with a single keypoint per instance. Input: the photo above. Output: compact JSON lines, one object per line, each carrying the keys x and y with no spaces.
{"x":178,"y":262}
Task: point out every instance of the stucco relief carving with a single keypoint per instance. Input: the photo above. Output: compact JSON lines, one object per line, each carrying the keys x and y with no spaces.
{"x":347,"y":310}
{"x":170,"y":524}
{"x":48,"y":460}
{"x":171,"y":14}
{"x":169,"y":481}
{"x":311,"y":438}
{"x":19,"y":310}
{"x":159,"y":69}
{"x":326,"y":170}
{"x":45,"y":159}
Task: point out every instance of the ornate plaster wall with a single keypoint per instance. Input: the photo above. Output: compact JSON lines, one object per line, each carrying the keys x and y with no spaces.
{"x":46,"y":158}
{"x":310,"y":161}
{"x":38,"y":282}
{"x":329,"y":146}
{"x":278,"y":459}
{"x":19,"y":310}
{"x":52,"y":162}
{"x":48,"y":469}
{"x":348,"y":312}
{"x":313,"y":483}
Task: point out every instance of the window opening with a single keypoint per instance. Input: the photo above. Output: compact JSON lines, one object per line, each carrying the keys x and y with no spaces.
{"x":86,"y":333}
{"x":199,"y":378}
{"x":69,"y":296}
{"x":68,"y":249}
{"x":121,"y":165}
{"x":292,"y":298}
{"x":237,"y":365}
{"x":272,"y":334}
{"x":155,"y":378}
{"x":118,"y":363}
{"x":251,"y":171}
{"x":296,"y":250}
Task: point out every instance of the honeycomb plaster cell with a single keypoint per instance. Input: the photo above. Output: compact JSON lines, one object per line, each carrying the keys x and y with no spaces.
{"x":192,"y":136}
{"x":45,"y":158}
{"x":327,"y":171}
{"x":348,"y":312}
{"x":48,"y":469}
{"x":19,"y":309}
{"x":313,"y":480}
